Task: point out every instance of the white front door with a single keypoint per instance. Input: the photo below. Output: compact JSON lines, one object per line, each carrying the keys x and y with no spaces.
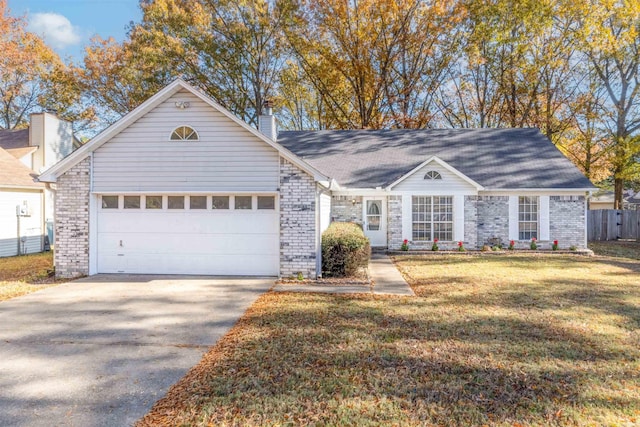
{"x":375,"y":220}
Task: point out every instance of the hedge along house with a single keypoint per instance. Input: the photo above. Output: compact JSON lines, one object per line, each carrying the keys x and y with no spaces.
{"x":182,"y":186}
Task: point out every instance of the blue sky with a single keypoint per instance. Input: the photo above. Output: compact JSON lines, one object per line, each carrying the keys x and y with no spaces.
{"x":68,"y":25}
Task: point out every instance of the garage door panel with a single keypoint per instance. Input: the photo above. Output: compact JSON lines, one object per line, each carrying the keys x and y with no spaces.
{"x":201,"y":264}
{"x":205,"y":222}
{"x":188,"y":242}
{"x":157,"y":243}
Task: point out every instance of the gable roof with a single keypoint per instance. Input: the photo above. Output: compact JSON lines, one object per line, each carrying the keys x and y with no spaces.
{"x":435,"y":159}
{"x":14,"y":174}
{"x":493,"y":158}
{"x":14,"y":138}
{"x":177,"y":85}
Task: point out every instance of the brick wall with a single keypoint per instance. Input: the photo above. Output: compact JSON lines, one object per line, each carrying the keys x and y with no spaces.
{"x":471,"y":222}
{"x":493,"y":219}
{"x":297,"y":221}
{"x":72,"y":221}
{"x":567,"y":220}
{"x":394,"y":222}
{"x":346,"y":209}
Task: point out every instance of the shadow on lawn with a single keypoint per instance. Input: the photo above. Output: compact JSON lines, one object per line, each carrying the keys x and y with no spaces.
{"x":327,"y":359}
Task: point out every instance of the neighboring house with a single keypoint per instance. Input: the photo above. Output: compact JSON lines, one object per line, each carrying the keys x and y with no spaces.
{"x":27,"y":207}
{"x":605,"y":200}
{"x":180,"y":185}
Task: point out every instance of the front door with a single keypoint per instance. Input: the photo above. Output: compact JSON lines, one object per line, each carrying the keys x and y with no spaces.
{"x":375,"y":220}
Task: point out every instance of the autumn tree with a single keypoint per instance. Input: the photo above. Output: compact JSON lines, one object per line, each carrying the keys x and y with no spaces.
{"x":117,"y":79}
{"x":610,"y":40}
{"x":32,"y":77}
{"x":374,"y":63}
{"x":232,"y":50}
{"x":517,"y":70}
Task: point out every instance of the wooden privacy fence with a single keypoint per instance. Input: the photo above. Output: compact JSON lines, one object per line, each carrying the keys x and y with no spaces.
{"x":613,"y":224}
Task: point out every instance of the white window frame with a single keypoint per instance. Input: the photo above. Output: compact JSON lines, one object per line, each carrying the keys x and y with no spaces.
{"x":528,"y":218}
{"x":433,"y":221}
{"x":194,"y":132}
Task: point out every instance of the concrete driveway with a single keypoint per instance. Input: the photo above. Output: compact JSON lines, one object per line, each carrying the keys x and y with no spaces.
{"x":101,"y":350}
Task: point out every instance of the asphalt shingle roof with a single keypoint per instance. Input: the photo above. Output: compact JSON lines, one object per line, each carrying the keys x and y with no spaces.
{"x":14,"y":138}
{"x":15,"y":174}
{"x":494,"y":158}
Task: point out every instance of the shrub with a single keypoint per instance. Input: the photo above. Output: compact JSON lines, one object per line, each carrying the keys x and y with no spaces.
{"x":344,"y":249}
{"x":533,"y":245}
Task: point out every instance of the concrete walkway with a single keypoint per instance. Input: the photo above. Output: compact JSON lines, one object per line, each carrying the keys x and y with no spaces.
{"x":386,"y":279}
{"x":100,"y":351}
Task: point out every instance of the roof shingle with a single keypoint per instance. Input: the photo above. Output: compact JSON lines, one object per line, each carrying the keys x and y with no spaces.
{"x":494,"y":158}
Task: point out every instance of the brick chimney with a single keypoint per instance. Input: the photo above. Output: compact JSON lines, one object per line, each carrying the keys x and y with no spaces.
{"x":267,"y":121}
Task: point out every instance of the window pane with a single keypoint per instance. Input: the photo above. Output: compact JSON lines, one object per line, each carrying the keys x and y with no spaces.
{"x":109,"y":202}
{"x":132,"y":202}
{"x":243,"y":202}
{"x":153,"y":202}
{"x":198,"y":202}
{"x":220,"y":202}
{"x":175,"y":202}
{"x":266,"y":202}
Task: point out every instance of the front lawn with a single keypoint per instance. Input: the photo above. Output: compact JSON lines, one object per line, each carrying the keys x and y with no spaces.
{"x":24,"y":274}
{"x":491,"y":340}
{"x":617,"y":248}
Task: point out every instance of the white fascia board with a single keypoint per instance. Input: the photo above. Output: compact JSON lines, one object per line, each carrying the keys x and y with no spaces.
{"x":22,"y":188}
{"x":74,"y":158}
{"x":550,"y":191}
{"x":362,"y":192}
{"x":183,"y":192}
{"x":444,"y":165}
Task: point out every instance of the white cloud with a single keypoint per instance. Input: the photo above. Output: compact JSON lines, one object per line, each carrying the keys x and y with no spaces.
{"x":55,"y":29}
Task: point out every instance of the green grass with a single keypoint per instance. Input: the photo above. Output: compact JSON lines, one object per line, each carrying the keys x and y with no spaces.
{"x":490,"y":340}
{"x":24,"y":274}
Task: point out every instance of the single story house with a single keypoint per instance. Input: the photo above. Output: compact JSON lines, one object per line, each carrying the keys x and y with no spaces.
{"x":180,"y":185}
{"x":27,"y":207}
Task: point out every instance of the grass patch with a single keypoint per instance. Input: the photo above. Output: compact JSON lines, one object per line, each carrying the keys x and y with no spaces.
{"x":20,"y":275}
{"x":510,"y":340}
{"x":620,"y":249}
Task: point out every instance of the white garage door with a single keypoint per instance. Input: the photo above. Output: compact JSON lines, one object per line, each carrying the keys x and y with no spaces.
{"x":197,"y":234}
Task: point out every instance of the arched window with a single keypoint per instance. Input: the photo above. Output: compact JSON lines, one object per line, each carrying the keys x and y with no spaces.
{"x":184,"y":133}
{"x":433,"y":175}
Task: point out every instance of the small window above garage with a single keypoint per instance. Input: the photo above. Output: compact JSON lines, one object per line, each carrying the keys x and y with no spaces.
{"x":184,"y":133}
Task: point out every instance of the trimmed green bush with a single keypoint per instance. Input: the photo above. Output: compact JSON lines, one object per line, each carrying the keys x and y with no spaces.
{"x":344,"y":249}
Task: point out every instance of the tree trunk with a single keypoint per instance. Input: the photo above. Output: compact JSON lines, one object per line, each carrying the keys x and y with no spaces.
{"x":618,"y":187}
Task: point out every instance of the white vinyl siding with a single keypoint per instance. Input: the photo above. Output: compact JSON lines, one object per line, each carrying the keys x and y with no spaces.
{"x":450,"y":182}
{"x":31,"y":227}
{"x":225,"y":158}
